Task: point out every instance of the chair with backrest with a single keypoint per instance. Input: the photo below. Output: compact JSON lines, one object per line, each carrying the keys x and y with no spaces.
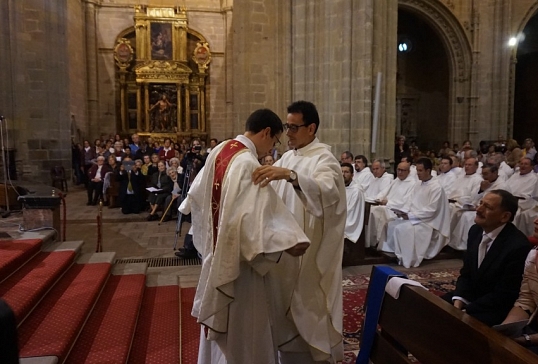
{"x":57,"y":175}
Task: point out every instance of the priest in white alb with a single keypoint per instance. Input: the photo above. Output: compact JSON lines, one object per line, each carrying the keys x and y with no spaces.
{"x":467,"y":213}
{"x":381,"y":182}
{"x":241,"y":231}
{"x":363,"y":175}
{"x":397,"y":196}
{"x":423,"y":231}
{"x":309,"y":180}
{"x":355,"y":204}
{"x":447,"y":176}
{"x":524,"y":185}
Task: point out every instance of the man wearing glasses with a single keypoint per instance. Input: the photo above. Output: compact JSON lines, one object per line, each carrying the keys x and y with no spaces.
{"x":241,"y":231}
{"x":309,"y":179}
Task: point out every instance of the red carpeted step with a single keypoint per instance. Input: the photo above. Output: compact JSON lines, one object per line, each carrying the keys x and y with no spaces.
{"x":108,"y":333}
{"x":26,"y":287}
{"x":54,"y":325}
{"x":14,"y":253}
{"x":157,"y":333}
{"x":190,"y":329}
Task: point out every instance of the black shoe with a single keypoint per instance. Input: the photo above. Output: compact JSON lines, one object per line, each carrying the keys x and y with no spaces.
{"x":186,"y":254}
{"x":150,"y":217}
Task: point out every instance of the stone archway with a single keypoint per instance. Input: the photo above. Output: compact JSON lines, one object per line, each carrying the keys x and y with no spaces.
{"x":462,"y":103}
{"x":523,"y":91}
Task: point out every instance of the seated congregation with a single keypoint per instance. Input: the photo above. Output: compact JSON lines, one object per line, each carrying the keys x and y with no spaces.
{"x":435,"y":199}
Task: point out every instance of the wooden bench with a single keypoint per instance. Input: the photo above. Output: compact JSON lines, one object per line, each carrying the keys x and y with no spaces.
{"x":435,"y":332}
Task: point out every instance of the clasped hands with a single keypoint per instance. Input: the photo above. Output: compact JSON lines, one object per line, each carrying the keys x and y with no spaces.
{"x":298,"y":250}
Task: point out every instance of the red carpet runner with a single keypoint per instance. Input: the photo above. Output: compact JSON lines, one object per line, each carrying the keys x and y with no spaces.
{"x":354,"y":292}
{"x":190,"y":330}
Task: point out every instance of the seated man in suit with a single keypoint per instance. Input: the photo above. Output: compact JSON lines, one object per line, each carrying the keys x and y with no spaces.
{"x":492,"y":269}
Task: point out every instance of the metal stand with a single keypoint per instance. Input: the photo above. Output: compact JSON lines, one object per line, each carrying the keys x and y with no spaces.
{"x":184,"y":191}
{"x":2,"y":123}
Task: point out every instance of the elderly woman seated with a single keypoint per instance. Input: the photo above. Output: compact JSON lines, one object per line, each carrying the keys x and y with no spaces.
{"x":162,"y":186}
{"x":171,"y":200}
{"x":526,"y":306}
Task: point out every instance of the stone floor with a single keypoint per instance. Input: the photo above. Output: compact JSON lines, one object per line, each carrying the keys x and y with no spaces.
{"x":131,"y":236}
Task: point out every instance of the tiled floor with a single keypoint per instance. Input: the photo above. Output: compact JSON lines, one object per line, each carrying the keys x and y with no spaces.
{"x":132,"y":236}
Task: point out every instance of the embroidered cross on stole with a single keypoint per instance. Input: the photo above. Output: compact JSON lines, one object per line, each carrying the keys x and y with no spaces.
{"x":222,"y":161}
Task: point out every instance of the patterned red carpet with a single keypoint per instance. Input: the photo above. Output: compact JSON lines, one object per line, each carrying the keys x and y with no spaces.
{"x":354,"y":289}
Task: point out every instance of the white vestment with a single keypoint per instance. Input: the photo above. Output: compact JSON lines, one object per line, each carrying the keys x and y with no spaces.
{"x":523,"y":186}
{"x":254,"y":228}
{"x":355,"y":211}
{"x":398,"y":197}
{"x":319,"y":206}
{"x":524,"y":220}
{"x":466,"y":186}
{"x":378,"y":185}
{"x":446,"y":180}
{"x":427,"y":230}
{"x":462,"y":218}
{"x":505,"y":170}
{"x":363,"y":178}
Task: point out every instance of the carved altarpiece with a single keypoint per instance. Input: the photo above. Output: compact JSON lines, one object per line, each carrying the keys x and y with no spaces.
{"x":163,"y":92}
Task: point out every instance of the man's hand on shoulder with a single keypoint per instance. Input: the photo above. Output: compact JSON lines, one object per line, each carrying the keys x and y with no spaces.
{"x":265,"y":174}
{"x":298,"y":249}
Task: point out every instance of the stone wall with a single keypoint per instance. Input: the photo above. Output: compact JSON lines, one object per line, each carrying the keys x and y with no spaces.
{"x":35,"y":90}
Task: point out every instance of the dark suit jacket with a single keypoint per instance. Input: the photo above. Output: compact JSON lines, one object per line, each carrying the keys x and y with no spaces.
{"x":93,"y":171}
{"x":493,"y":288}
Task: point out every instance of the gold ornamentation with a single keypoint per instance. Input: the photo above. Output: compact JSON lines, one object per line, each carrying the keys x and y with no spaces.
{"x":123,"y":53}
{"x":202,"y":55}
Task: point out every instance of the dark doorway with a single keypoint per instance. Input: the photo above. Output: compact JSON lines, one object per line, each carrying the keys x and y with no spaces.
{"x":526,"y":87}
{"x":422,"y":83}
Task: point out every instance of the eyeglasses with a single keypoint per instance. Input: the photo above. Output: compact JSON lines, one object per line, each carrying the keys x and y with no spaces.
{"x":277,"y":143}
{"x":293,"y":128}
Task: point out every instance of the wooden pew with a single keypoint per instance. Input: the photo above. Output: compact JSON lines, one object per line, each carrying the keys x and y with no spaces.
{"x":357,"y":253}
{"x":435,"y":332}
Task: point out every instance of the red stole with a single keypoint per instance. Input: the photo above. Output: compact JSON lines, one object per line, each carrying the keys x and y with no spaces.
{"x":222,"y":161}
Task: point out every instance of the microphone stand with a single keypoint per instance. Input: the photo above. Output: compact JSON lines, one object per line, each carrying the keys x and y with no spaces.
{"x":2,"y":123}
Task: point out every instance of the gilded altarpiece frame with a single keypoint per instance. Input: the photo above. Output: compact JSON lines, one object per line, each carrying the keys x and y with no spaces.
{"x":170,"y":75}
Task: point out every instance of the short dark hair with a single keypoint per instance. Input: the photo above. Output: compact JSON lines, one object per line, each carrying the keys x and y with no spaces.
{"x":508,"y":202}
{"x":214,"y":139}
{"x":263,"y":118}
{"x":308,"y":110}
{"x":426,"y":162}
{"x":450,"y":161}
{"x":348,"y":165}
{"x":363,"y":158}
{"x":348,"y":154}
{"x":493,"y":168}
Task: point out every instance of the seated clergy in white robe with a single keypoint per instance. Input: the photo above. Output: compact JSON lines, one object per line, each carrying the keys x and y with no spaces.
{"x":363,"y":175}
{"x":355,"y":205}
{"x":241,"y":231}
{"x":522,"y":184}
{"x":464,"y":218}
{"x":447,"y":175}
{"x":380,"y":183}
{"x":395,"y":197}
{"x":422,"y":231}
{"x":528,"y":210}
{"x":467,"y":184}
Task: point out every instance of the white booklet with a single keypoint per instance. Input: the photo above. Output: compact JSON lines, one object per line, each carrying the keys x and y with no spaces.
{"x":153,"y":189}
{"x":512,"y":329}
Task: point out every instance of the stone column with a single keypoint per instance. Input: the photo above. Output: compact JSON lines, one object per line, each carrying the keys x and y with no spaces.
{"x":91,"y":67}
